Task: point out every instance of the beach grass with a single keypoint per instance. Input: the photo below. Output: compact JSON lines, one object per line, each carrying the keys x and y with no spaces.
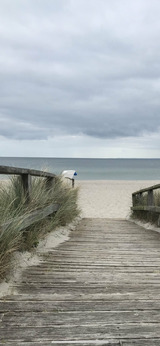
{"x":13,"y":204}
{"x":146,"y":216}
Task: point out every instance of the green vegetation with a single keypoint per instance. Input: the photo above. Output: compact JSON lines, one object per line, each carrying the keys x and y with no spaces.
{"x":13,"y":204}
{"x":146,"y":216}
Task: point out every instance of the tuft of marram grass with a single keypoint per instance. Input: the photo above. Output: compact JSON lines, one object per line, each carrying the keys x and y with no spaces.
{"x":13,"y":204}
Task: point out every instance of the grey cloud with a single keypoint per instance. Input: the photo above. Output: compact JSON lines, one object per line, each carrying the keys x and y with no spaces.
{"x":90,"y":68}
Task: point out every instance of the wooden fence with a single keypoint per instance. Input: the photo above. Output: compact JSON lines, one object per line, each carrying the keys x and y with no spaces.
{"x":26,"y":176}
{"x":138,"y":201}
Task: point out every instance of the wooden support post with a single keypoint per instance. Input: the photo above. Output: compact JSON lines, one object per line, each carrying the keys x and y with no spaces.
{"x":150,"y":199}
{"x":26,"y":183}
{"x":136,"y":199}
{"x":139,"y":198}
{"x":133,"y":200}
{"x":73,"y":183}
{"x":29,"y":219}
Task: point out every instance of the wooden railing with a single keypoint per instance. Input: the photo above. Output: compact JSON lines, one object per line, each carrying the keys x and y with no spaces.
{"x":138,"y":201}
{"x":25,"y":221}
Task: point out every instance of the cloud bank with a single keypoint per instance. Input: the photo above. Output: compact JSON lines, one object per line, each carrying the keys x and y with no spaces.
{"x":79,"y":68}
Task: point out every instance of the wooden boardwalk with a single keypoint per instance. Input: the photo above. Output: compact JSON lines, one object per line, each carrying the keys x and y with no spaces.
{"x":101,"y":287}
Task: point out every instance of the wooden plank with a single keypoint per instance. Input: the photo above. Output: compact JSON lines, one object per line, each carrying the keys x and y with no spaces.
{"x":147,"y":208}
{"x":144,"y":342}
{"x":154,"y":187}
{"x":136,"y":199}
{"x":45,"y":303}
{"x":133,"y":200}
{"x":70,"y":343}
{"x":94,"y":268}
{"x":27,"y":220}
{"x":150,"y":198}
{"x":18,"y":171}
{"x":27,"y":185}
{"x":101,"y":287}
{"x":82,"y":296}
{"x":68,"y":332}
{"x":105,"y":276}
{"x":85,"y":318}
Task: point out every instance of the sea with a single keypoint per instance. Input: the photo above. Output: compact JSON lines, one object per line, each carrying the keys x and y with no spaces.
{"x":91,"y":169}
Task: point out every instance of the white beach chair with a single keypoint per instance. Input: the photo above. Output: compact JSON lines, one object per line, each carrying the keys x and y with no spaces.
{"x":70,"y":174}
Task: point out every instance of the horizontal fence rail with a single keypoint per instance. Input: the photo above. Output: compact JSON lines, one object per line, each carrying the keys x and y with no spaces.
{"x":21,"y":171}
{"x":148,"y":204}
{"x":28,"y":219}
{"x":26,"y":175}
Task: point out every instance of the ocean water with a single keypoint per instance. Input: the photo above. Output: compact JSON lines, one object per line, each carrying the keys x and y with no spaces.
{"x":92,"y":169}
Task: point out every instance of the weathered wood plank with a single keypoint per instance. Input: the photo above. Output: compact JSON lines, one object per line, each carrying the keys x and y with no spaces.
{"x":150,"y":198}
{"x":102,"y":287}
{"x":136,"y":199}
{"x":141,"y":278}
{"x":147,"y":208}
{"x":18,"y":171}
{"x":145,"y":342}
{"x":27,"y":185}
{"x":61,"y":343}
{"x":154,"y":187}
{"x":68,"y":332}
{"x":28,"y":219}
{"x":122,"y":294}
{"x":85,"y":318}
{"x":46,"y":304}
{"x":72,"y":267}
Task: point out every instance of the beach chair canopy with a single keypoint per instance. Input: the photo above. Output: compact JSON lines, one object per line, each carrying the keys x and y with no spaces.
{"x":70,"y":174}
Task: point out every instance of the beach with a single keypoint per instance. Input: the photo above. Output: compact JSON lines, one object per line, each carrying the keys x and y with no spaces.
{"x":108,"y":198}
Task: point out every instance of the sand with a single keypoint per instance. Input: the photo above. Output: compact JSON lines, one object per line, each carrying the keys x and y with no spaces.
{"x":97,"y":199}
{"x":108,"y":198}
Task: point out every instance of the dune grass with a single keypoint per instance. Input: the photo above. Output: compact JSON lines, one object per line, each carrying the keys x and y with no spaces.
{"x":13,"y":204}
{"x":146,"y":216}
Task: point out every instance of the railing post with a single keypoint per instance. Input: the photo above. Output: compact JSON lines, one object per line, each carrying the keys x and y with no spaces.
{"x":27,"y":186}
{"x":133,"y":200}
{"x":136,"y":198}
{"x":139,"y":197}
{"x":150,"y":198}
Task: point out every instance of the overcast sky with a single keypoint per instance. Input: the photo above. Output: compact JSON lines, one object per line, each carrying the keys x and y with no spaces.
{"x":80,"y":78}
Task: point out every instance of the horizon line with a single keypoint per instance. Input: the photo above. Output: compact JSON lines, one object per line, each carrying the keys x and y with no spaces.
{"x":84,"y":158}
